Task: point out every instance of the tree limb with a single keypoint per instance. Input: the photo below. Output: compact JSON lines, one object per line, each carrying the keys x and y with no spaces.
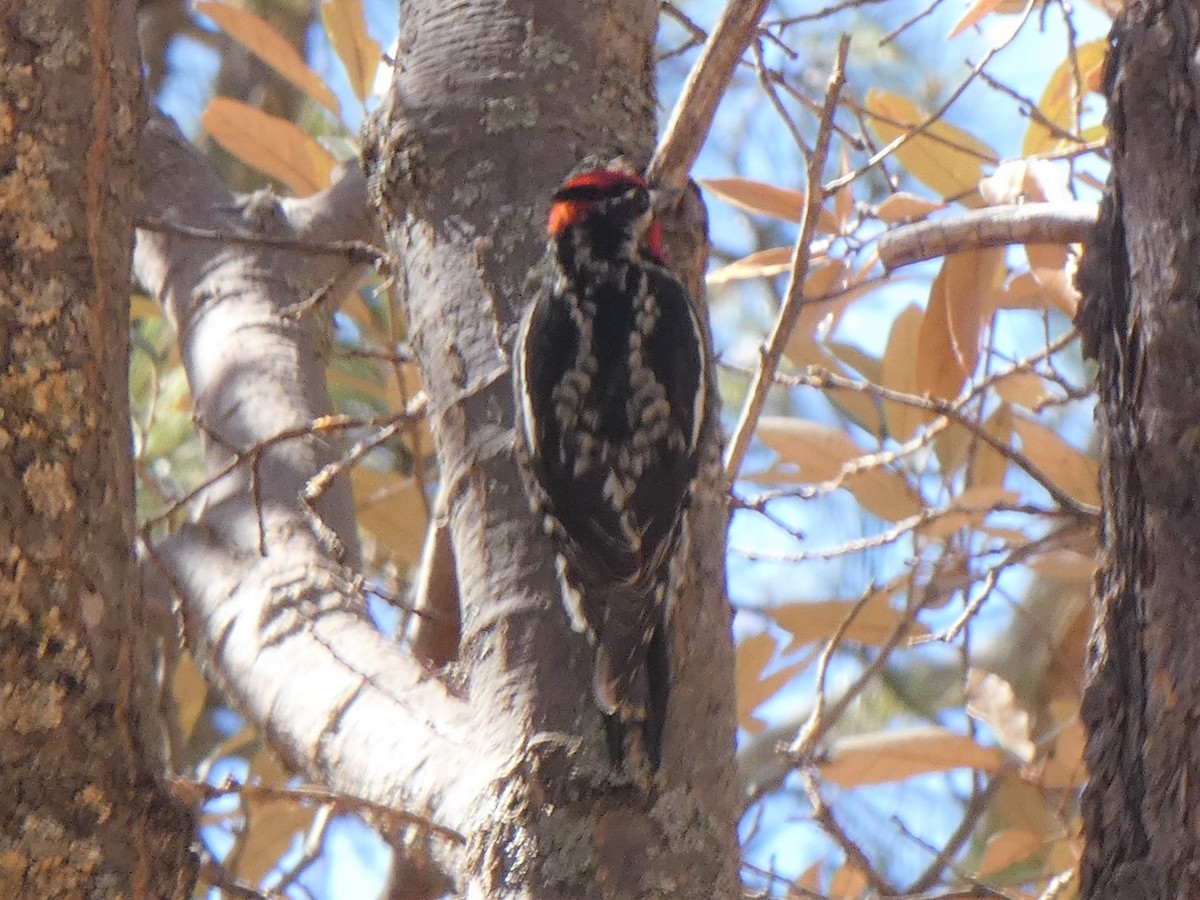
{"x":995,"y":226}
{"x":706,"y":85}
{"x":272,"y":609}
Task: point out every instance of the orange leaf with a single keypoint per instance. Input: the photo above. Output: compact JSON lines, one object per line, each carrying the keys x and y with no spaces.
{"x":843,"y":200}
{"x":1058,"y":99}
{"x":826,"y":278}
{"x":900,"y":374}
{"x":848,"y":881}
{"x":754,"y":654}
{"x":1074,"y":473}
{"x":1008,"y":848}
{"x":863,"y":409}
{"x":1053,"y":268}
{"x":969,"y":509}
{"x":763,"y":264}
{"x":905,"y":207}
{"x":944,"y":157}
{"x":1065,"y":767}
{"x":267,"y":44}
{"x":269,"y":144}
{"x":359,"y":52}
{"x":903,"y":753}
{"x":391,"y":508}
{"x":989,"y":466}
{"x":975,"y":12}
{"x":766,"y":199}
{"x":1065,"y":565}
{"x":948,"y":344}
{"x":1024,"y":389}
{"x":810,"y":623}
{"x":825,"y":454}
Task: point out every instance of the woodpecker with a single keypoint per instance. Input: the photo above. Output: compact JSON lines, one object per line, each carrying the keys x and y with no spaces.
{"x":610,"y":373}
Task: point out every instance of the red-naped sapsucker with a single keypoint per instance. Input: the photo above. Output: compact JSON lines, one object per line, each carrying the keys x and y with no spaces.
{"x":610,"y":377}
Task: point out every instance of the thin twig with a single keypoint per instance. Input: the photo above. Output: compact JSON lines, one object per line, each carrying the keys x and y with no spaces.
{"x":803,"y":745}
{"x":198,"y":791}
{"x":972,"y":812}
{"x":823,"y":816}
{"x":706,"y":85}
{"x":820,"y":13}
{"x":356,"y":252}
{"x":826,"y":380}
{"x":937,"y":114}
{"x":793,"y":302}
{"x":909,"y":22}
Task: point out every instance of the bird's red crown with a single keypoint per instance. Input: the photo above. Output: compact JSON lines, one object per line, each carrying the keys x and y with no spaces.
{"x":578,"y":196}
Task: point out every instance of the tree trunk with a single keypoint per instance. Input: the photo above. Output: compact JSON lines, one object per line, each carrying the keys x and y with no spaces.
{"x":492,"y":105}
{"x":1141,"y":320}
{"x":85,"y":811}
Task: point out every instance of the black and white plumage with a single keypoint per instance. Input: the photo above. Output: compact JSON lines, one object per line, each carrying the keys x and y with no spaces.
{"x":610,"y":379}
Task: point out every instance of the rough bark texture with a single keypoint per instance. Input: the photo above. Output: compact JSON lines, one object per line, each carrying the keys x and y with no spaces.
{"x":1141,"y":321}
{"x":493,"y":103}
{"x":84,"y":812}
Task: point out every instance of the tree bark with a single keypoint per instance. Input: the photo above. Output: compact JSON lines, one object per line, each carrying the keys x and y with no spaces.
{"x":1140,"y":320}
{"x":492,"y":105}
{"x":86,"y":811}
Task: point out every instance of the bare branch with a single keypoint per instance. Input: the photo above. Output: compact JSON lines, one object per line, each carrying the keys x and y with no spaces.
{"x":705,"y":87}
{"x":995,"y":226}
{"x":794,"y":300}
{"x":274,"y":613}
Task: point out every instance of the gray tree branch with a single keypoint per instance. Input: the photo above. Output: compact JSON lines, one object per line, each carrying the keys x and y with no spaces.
{"x":273,"y":610}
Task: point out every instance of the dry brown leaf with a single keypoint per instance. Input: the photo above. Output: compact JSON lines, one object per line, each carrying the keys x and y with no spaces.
{"x":948,"y":343}
{"x":1073,"y":472}
{"x":968,"y":510}
{"x":1064,"y":766}
{"x":810,"y":623}
{"x":900,"y":374}
{"x":767,"y":200}
{"x":991,"y":700}
{"x":843,"y":200}
{"x":346,"y":26}
{"x":391,"y":507}
{"x":754,"y":654}
{"x":862,"y":408}
{"x":977,"y":10}
{"x":848,"y":881}
{"x":988,"y":466}
{"x":261,"y":39}
{"x":1058,"y":99}
{"x":1065,"y":565}
{"x":952,"y":445}
{"x":944,"y":157}
{"x":905,"y":207}
{"x":190,"y":692}
{"x":1021,"y":804}
{"x":824,"y":453}
{"x":762,"y":264}
{"x":1053,"y":268}
{"x":269,"y":144}
{"x":1007,"y":848}
{"x":898,"y":754}
{"x":1025,"y":389}
{"x":1022,"y":291}
{"x":826,"y":277}
{"x":271,"y":825}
